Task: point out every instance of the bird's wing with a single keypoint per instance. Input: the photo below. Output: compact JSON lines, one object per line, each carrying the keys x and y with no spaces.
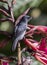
{"x":16,"y":29}
{"x":20,"y":30}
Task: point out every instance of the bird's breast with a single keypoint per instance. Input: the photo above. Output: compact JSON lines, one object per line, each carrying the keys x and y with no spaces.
{"x":22,"y":35}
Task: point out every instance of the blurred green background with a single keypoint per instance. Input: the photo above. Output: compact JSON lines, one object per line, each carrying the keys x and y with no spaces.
{"x":39,"y":18}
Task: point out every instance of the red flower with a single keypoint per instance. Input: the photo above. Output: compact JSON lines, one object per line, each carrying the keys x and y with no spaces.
{"x":41,"y":50}
{"x":42,"y":46}
{"x":42,"y":28}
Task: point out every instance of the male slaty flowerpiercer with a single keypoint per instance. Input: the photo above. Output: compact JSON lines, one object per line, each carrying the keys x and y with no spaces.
{"x":20,"y":30}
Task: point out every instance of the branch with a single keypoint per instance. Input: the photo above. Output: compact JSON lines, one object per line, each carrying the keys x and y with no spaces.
{"x":10,"y":7}
{"x":5,"y":1}
{"x":4,"y":12}
{"x":4,"y":42}
{"x":13,"y":2}
{"x":39,"y":59}
{"x":19,"y":54}
{"x":2,"y":7}
{"x":12,"y":16}
{"x":6,"y":33}
{"x":6,"y":19}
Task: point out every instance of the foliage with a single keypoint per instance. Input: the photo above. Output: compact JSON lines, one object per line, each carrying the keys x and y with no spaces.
{"x":19,"y":8}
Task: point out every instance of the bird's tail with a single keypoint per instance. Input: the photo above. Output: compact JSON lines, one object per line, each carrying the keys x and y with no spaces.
{"x":14,"y":44}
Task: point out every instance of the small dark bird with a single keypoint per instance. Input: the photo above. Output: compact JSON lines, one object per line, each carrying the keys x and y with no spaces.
{"x":20,"y":30}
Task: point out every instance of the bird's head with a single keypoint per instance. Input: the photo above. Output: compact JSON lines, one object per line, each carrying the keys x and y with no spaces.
{"x":27,"y":18}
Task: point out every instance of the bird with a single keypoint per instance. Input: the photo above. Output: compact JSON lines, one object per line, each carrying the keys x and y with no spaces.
{"x":20,"y":30}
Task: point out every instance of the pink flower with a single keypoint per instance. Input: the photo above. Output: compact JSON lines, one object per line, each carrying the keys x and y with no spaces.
{"x":41,"y":50}
{"x":42,"y":46}
{"x":42,"y":28}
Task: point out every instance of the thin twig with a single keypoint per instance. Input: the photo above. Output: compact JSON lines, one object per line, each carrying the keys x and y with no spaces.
{"x":38,"y":58}
{"x":12,"y":14}
{"x":6,"y":19}
{"x":2,"y":7}
{"x":4,"y":12}
{"x":4,"y":42}
{"x":13,"y":2}
{"x":7,"y":12}
{"x":6,"y":33}
{"x":4,"y":1}
{"x":23,"y":50}
{"x":10,"y":7}
{"x":32,"y":30}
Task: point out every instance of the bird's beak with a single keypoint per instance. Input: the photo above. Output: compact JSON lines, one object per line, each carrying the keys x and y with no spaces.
{"x":30,"y":18}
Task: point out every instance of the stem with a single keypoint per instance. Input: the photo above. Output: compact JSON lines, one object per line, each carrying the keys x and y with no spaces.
{"x":12,"y":14}
{"x":6,"y":19}
{"x":3,"y":8}
{"x":10,"y":7}
{"x":38,"y":58}
{"x":4,"y":42}
{"x":13,"y":2}
{"x":6,"y":33}
{"x":5,"y":1}
{"x":23,"y":50}
{"x":4,"y":12}
{"x":41,"y":52}
{"x":29,"y":44}
{"x":19,"y":54}
{"x":32,"y":30}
